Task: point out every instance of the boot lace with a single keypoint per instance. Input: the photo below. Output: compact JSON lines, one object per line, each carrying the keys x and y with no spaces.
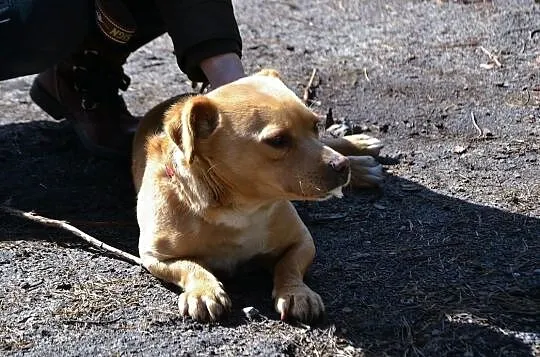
{"x":98,"y":80}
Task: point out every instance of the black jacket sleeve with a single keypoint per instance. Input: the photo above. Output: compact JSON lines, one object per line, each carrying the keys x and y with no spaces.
{"x":200,"y":29}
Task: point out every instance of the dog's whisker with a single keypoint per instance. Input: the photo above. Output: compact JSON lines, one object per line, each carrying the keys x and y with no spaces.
{"x":301,"y":188}
{"x":299,"y":178}
{"x":211,"y":168}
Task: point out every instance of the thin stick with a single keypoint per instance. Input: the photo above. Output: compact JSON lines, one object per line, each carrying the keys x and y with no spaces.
{"x":491,"y":56}
{"x":480,"y":131}
{"x":66,"y":226}
{"x":365,"y":75}
{"x":307,"y":91}
{"x":104,"y":223}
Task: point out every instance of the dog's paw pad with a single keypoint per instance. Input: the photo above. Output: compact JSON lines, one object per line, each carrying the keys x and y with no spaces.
{"x":366,"y":144}
{"x":205,"y":302}
{"x":299,"y":303}
{"x":365,"y":172}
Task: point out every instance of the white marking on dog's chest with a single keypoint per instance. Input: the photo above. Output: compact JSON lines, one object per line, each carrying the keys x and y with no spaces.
{"x":234,"y":219}
{"x":251,"y":241}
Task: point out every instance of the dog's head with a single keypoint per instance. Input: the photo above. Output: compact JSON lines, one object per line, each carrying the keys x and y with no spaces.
{"x":255,"y":137}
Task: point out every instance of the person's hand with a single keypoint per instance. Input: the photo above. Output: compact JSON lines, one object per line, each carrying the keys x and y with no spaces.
{"x":223,"y":69}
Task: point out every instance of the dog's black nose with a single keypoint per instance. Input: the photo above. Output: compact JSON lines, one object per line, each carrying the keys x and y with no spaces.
{"x":339,"y":164}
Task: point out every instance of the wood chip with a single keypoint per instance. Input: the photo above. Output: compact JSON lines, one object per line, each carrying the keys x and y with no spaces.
{"x":487,"y":65}
{"x":460,"y":149}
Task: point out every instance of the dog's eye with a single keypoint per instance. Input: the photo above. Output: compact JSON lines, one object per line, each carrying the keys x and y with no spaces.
{"x":278,"y":141}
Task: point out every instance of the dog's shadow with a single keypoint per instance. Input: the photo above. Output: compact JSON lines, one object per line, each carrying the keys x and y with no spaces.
{"x":409,"y":270}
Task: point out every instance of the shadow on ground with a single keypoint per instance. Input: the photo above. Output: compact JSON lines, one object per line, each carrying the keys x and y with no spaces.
{"x":402,"y":271}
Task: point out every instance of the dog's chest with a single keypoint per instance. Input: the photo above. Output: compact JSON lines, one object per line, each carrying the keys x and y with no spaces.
{"x":242,"y":238}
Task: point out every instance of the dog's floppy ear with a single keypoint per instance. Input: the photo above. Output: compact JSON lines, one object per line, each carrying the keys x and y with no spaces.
{"x":196,"y":119}
{"x":269,"y":72}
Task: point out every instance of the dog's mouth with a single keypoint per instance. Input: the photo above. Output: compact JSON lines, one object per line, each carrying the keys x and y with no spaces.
{"x":319,"y":190}
{"x":338,"y":191}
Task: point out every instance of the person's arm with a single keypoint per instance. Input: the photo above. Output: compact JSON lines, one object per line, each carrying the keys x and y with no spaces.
{"x":206,"y":39}
{"x":222,"y":69}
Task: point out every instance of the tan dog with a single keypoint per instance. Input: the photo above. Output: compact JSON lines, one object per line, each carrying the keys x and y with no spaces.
{"x":214,"y":175}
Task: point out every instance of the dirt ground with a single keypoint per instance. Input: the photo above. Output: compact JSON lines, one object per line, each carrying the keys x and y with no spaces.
{"x":442,"y":261}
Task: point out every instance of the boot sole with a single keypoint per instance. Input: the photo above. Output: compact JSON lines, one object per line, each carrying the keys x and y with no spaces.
{"x":55,"y":109}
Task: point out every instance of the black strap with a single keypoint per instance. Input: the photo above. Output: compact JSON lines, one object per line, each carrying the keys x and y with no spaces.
{"x":115,"y":20}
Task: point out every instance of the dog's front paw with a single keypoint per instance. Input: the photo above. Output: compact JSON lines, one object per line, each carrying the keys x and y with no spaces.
{"x":298,"y":303}
{"x":365,"y":172}
{"x":365,"y":144}
{"x":205,"y":302}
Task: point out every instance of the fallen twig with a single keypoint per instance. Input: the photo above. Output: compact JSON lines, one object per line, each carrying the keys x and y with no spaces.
{"x":104,"y":223}
{"x":309,"y":94}
{"x":491,"y":57}
{"x":365,"y":75}
{"x":66,"y":226}
{"x":480,"y":131}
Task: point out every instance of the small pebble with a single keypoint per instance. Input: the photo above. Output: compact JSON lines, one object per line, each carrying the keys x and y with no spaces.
{"x":349,"y":350}
{"x":251,"y":312}
{"x":460,"y":149}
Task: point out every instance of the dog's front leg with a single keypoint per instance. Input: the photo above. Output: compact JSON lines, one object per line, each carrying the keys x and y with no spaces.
{"x":292,"y":297}
{"x":204,"y":298}
{"x":354,"y":145}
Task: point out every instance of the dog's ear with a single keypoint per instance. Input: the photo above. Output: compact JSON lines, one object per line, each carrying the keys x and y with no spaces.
{"x":197,"y":119}
{"x":269,"y":73}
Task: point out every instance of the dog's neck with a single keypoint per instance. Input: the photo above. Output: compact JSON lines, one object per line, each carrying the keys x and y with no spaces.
{"x":206,"y":195}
